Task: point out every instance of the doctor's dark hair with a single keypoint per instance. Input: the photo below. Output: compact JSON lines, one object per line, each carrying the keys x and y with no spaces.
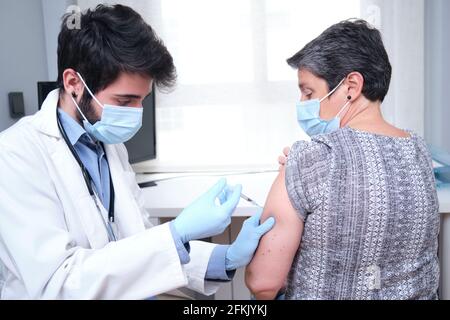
{"x":348,"y":46}
{"x":112,"y":40}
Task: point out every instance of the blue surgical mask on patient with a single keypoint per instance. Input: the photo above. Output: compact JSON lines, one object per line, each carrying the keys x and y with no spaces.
{"x":117,"y":125}
{"x":308,"y":116}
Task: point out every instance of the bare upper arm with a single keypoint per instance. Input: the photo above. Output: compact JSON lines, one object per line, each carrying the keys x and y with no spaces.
{"x":269,"y":268}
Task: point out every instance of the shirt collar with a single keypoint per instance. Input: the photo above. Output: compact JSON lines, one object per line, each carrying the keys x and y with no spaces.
{"x":73,"y":129}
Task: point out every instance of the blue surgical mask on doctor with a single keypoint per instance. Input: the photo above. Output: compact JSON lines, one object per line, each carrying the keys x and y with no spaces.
{"x":308,"y":115}
{"x":118,"y":124}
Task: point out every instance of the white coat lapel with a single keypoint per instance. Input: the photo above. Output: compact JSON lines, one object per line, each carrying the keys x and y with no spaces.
{"x":85,"y":206}
{"x":68,"y":174}
{"x":128,"y":216}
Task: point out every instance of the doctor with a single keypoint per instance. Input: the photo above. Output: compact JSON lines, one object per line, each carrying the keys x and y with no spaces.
{"x":72,"y":218}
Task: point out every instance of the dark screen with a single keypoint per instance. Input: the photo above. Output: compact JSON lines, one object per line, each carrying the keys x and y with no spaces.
{"x":142,"y":146}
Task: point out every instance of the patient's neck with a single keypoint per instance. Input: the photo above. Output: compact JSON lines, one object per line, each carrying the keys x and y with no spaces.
{"x":367,"y":116}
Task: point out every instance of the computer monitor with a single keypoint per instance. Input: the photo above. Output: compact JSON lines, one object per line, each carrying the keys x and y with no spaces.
{"x":44,"y":88}
{"x":142,"y":146}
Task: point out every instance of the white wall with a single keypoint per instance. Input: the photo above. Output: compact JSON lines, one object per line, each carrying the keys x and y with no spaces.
{"x":28,"y":32}
{"x":402,"y":25}
{"x":53,"y":10}
{"x":23,"y":59}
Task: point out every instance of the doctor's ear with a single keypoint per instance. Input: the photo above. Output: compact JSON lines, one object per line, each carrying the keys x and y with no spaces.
{"x":355,"y":84}
{"x":72,"y":83}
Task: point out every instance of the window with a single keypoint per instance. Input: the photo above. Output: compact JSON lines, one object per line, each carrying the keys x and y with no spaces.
{"x":234,"y":103}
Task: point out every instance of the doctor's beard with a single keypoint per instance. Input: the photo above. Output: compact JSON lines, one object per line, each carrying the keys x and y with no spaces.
{"x":86,"y":106}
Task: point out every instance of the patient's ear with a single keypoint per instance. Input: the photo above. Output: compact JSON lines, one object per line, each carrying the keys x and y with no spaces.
{"x":355,"y":84}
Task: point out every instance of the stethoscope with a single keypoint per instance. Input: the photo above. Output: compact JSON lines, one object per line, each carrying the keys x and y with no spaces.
{"x":88,"y":179}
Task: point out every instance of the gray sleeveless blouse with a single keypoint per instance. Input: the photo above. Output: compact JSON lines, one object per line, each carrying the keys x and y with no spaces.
{"x":370,"y":209}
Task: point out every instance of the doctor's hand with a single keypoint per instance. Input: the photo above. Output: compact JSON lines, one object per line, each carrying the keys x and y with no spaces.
{"x":205,"y":218}
{"x":241,"y":252}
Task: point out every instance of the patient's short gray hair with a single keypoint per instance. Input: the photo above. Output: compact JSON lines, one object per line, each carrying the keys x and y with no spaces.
{"x":349,"y":46}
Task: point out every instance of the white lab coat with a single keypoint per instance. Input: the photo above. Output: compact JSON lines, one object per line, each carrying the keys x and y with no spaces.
{"x":53,"y":243}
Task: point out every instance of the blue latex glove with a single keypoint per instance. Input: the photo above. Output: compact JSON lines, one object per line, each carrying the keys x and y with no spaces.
{"x":204,"y":218}
{"x":241,"y":252}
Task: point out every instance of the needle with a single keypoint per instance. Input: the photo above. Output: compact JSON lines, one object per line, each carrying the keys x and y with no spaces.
{"x":243,"y":196}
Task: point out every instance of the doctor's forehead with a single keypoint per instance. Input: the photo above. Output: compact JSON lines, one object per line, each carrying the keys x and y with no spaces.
{"x":131,"y":84}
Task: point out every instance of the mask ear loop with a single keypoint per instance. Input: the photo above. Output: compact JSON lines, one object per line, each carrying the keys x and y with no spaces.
{"x":89,"y":90}
{"x":333,"y":91}
{"x":349,"y":98}
{"x":72,"y":96}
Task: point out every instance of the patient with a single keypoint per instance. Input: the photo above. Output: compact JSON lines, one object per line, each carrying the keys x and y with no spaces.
{"x":356,"y":207}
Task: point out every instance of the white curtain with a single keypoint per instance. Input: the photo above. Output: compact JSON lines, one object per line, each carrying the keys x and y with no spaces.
{"x":437,"y":48}
{"x":402,"y":23}
{"x":234,"y":104}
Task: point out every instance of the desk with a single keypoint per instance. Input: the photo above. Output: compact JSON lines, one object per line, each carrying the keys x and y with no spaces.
{"x":169,"y":197}
{"x":165,"y":201}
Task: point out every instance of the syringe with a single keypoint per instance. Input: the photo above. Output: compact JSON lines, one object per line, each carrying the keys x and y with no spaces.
{"x":243,"y":196}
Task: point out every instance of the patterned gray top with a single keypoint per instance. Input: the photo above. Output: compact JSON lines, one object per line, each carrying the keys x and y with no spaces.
{"x":370,"y":208}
